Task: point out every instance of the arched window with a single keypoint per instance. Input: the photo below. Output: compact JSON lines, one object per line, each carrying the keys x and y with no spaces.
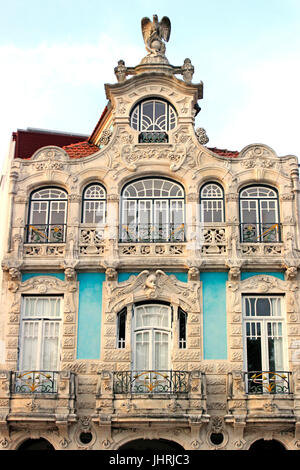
{"x":153,"y":118}
{"x":259,"y":215}
{"x":152,"y":211}
{"x":47,"y":216}
{"x":94,"y":204}
{"x":211,"y":203}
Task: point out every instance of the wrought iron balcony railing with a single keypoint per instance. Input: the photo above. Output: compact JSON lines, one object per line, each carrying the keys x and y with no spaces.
{"x":276,"y":382}
{"x":151,"y":382}
{"x":153,"y":138}
{"x":260,"y":232}
{"x":34,"y":382}
{"x":152,"y":233}
{"x":46,"y":233}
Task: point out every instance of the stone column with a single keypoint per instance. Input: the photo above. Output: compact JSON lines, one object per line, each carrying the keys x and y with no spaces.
{"x":73,"y":226}
{"x":112,"y":228}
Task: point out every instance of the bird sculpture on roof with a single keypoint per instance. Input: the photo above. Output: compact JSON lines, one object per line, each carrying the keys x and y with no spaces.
{"x":154,"y":33}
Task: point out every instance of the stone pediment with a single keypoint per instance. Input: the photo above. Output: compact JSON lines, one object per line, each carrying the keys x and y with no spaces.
{"x":154,"y":285}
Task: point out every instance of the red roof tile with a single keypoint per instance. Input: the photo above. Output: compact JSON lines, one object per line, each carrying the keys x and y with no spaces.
{"x":81,"y":149}
{"x":225,"y":152}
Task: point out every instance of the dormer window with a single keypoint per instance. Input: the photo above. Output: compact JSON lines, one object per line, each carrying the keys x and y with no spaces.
{"x":153,"y":118}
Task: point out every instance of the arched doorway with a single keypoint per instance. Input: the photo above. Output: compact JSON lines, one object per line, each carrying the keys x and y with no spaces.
{"x":262,"y":445}
{"x":36,"y":444}
{"x":158,"y":445}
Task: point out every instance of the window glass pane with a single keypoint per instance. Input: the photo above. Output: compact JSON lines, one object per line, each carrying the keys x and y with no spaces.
{"x":249,"y":211}
{"x":254,"y":358}
{"x":29,"y":352}
{"x":94,"y":212}
{"x":147,"y":117}
{"x":263,"y":307}
{"x":177,"y":215}
{"x":57,"y":212}
{"x":161,"y":351}
{"x":94,"y":192}
{"x":142,"y":351}
{"x":50,"y":346}
{"x":211,"y":191}
{"x":49,"y":193}
{"x":39,"y":213}
{"x":153,"y":115}
{"x":121,"y":329}
{"x":257,"y":192}
{"x":182,"y":329}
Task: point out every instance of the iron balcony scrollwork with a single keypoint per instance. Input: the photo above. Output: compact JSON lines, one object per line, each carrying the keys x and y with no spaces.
{"x":34,"y":382}
{"x":153,"y":138}
{"x":261,"y":382}
{"x":260,"y":232}
{"x":46,"y":233}
{"x":151,"y":382}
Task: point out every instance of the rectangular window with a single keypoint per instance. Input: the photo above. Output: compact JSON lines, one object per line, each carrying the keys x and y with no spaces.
{"x":182,"y":318}
{"x":121,"y":329}
{"x":40,"y":333}
{"x":264,"y":344}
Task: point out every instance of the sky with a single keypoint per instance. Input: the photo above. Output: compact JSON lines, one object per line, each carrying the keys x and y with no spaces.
{"x":56,"y":56}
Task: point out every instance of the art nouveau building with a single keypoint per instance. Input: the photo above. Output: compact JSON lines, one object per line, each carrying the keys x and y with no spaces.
{"x":150,"y":290}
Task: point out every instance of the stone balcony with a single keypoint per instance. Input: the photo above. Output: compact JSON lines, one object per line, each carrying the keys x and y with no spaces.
{"x":164,"y":395}
{"x":37,"y":396}
{"x":210,"y":241}
{"x":261,"y":397}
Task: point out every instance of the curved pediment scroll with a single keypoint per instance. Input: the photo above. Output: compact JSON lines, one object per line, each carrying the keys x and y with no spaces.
{"x":50,"y":158}
{"x":43,"y":285}
{"x":263,"y":284}
{"x":153,"y":285}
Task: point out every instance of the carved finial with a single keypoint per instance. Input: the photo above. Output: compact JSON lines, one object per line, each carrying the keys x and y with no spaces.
{"x":154,"y":33}
{"x":187,"y":70}
{"x":201,"y":135}
{"x":121,"y":71}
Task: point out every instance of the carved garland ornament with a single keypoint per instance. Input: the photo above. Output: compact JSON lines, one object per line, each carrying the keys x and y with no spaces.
{"x":50,"y":158}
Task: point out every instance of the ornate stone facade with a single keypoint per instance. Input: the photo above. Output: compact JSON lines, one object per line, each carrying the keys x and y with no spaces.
{"x":215,"y":410}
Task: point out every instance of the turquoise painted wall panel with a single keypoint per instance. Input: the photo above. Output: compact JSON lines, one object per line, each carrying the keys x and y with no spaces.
{"x":214,"y":315}
{"x":125,"y":276}
{"x":182,"y":276}
{"x":246,"y":275}
{"x":89,"y":315}
{"x":26,"y":276}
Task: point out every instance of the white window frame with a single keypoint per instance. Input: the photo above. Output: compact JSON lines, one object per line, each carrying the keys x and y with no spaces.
{"x":264,"y":320}
{"x":137,"y":193}
{"x":151,"y":330}
{"x":214,"y":202}
{"x":48,"y":196}
{"x":41,"y":321}
{"x":258,"y":199}
{"x":164,"y":122}
{"x":92,"y":200}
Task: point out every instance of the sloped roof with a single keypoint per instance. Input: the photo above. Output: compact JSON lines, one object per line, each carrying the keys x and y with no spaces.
{"x":30,"y":140}
{"x":76,"y":145}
